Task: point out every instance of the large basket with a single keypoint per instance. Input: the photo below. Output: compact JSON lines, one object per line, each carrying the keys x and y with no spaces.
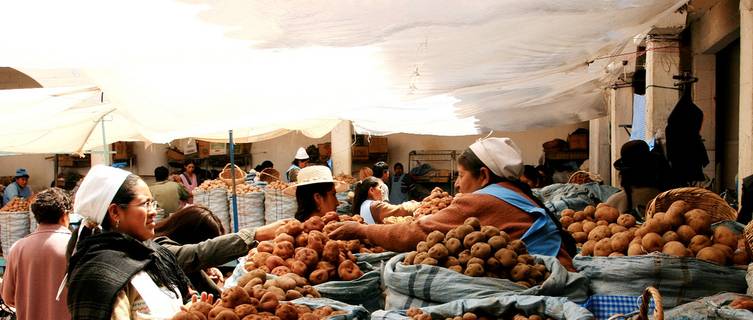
{"x":226,"y":175}
{"x":748,"y":234}
{"x":648,"y":294}
{"x":697,"y":198}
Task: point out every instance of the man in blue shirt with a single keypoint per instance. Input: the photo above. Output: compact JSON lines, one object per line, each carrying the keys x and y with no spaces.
{"x":18,"y":188}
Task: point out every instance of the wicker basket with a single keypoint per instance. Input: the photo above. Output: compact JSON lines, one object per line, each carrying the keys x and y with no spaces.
{"x":225,"y":175}
{"x":648,"y":294}
{"x":697,"y":198}
{"x":748,"y":234}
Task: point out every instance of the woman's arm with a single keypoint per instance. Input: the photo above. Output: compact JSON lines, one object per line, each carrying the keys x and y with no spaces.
{"x":381,"y":210}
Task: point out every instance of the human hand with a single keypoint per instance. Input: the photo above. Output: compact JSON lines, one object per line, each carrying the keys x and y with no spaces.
{"x":208,"y":298}
{"x":216,"y":276}
{"x":267,"y":232}
{"x":347,"y":231}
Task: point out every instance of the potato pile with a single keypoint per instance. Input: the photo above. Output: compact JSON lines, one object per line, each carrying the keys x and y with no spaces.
{"x":305,"y":249}
{"x":398,"y":219}
{"x":244,"y":188}
{"x":210,"y":185}
{"x":437,"y":200}
{"x":345,"y":178}
{"x":277,"y":185}
{"x":16,"y":205}
{"x":478,"y":251}
{"x":256,"y":297}
{"x":681,"y":231}
{"x":581,"y":223}
{"x":512,"y":313}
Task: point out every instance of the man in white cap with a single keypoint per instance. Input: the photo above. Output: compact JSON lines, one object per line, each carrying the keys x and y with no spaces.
{"x":488,"y":177}
{"x":300,"y":162}
{"x":19,"y":188}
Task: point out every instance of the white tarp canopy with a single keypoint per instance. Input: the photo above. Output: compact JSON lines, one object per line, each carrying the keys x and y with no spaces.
{"x":194,"y":68}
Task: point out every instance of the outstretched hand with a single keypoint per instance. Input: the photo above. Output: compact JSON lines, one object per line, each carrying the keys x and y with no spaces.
{"x":348,"y":231}
{"x":205,"y":297}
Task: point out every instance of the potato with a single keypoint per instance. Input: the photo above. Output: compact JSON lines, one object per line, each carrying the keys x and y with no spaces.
{"x":473,"y":222}
{"x":464,"y":256}
{"x":497,"y":242}
{"x":670,"y":236}
{"x":319,"y":276}
{"x":655,"y":226}
{"x":472,"y":238}
{"x":481,"y":250}
{"x":519,"y":246}
{"x":313,"y":223}
{"x":620,"y":242}
{"x":228,"y":314}
{"x":430,"y":262}
{"x":462,"y":231}
{"x":265,"y":246}
{"x":308,"y":256}
{"x":283,"y":249}
{"x":602,"y":223}
{"x":712,"y":254}
{"x":434,"y":237}
{"x":588,"y":248}
{"x":520,"y":272}
{"x":474,"y":270}
{"x":298,"y":267}
{"x":451,"y":261}
{"x":526,"y":259}
{"x":685,"y":232}
{"x":600,"y":232}
{"x":635,"y":249}
{"x":201,"y":307}
{"x":490,"y":231}
{"x":699,"y":242}
{"x":566,"y":221}
{"x":567,"y":212}
{"x":422,"y":246}
{"x":728,"y":252}
{"x":740,"y":257}
{"x":579,"y":216}
{"x":674,"y":248}
{"x":652,"y":242}
{"x":438,"y":251}
{"x":348,"y":270}
{"x":453,"y":246}
{"x":274,"y":262}
{"x":575,"y":227}
{"x":699,"y":220}
{"x":580,"y":237}
{"x":723,"y":235}
{"x":626,"y":220}
{"x":607,"y":213}
{"x":616,"y":228}
{"x":677,"y":209}
{"x":588,"y":226}
{"x":506,"y":257}
{"x":603,"y":248}
{"x":286,"y":311}
{"x":589,"y":211}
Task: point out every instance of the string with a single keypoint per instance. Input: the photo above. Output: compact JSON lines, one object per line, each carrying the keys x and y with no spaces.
{"x":636,"y":53}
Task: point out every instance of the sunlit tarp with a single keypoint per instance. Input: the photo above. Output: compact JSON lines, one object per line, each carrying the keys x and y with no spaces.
{"x":176,"y":69}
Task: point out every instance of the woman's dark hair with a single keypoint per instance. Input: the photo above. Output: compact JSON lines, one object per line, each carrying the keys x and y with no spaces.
{"x":190,"y":225}
{"x":379,"y":168}
{"x":187,"y":162}
{"x":304,"y":195}
{"x":297,"y":162}
{"x":473,"y":164}
{"x":361,"y":193}
{"x":50,"y":205}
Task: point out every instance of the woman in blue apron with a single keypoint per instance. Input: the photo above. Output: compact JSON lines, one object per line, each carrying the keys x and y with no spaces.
{"x":300,"y":161}
{"x":488,"y":178}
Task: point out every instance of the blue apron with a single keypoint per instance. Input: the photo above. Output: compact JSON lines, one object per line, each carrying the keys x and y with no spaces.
{"x":287,"y":173}
{"x":542,"y":237}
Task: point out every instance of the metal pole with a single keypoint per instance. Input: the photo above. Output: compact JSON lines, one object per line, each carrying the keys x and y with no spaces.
{"x":232,"y":176}
{"x":105,"y":147}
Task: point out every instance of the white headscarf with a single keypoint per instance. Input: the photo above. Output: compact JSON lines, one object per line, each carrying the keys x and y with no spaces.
{"x":97,"y":191}
{"x":501,"y":155}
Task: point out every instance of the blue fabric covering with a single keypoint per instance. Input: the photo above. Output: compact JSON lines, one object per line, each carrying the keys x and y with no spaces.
{"x":604,"y":307}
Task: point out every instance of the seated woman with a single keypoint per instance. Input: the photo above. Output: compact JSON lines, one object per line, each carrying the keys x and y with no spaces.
{"x":193,"y":225}
{"x":367,"y":202}
{"x":116,"y":270}
{"x":640,"y":178}
{"x":315,"y":192}
{"x":488,"y":178}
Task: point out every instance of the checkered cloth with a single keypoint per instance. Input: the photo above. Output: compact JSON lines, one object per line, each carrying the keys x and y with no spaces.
{"x":604,"y":307}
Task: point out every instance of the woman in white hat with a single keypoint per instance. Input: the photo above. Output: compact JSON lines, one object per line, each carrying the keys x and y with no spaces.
{"x":116,"y":270}
{"x":300,"y":162}
{"x":488,"y":177}
{"x":315,"y":192}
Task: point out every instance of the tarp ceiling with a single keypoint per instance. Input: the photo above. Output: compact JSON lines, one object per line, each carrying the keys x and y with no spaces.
{"x":193,"y":68}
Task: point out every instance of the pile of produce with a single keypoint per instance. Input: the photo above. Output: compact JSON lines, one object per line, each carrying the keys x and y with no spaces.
{"x":210,"y":185}
{"x":16,"y":205}
{"x":257,"y":297}
{"x":346,"y":178}
{"x":512,"y":313}
{"x":580,"y":224}
{"x":437,"y":200}
{"x":479,"y":251}
{"x":277,"y":185}
{"x":305,"y":249}
{"x":681,"y":231}
{"x":398,"y":219}
{"x":244,"y":188}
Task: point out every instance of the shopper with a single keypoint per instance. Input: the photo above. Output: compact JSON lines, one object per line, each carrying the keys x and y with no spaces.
{"x":640,"y":178}
{"x":300,"y":162}
{"x":188,"y":177}
{"x":399,"y":184}
{"x":19,"y":188}
{"x":367,"y":202}
{"x":35,"y":265}
{"x":315,"y":192}
{"x":488,"y":178}
{"x":382,"y":172}
{"x":168,"y":194}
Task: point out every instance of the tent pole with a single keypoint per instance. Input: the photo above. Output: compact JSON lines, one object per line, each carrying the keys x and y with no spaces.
{"x":105,"y":147}
{"x":232,"y":176}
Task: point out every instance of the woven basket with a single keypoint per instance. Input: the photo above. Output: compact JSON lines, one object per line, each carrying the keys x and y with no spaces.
{"x":225,"y":175}
{"x":648,"y":294}
{"x":697,"y":198}
{"x":748,"y":234}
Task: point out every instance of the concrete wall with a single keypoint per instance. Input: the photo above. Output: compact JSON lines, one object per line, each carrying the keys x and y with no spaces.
{"x":41,"y":170}
{"x":728,"y":113}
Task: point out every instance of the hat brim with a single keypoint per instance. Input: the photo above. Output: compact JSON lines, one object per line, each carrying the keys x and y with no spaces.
{"x":339,"y":187}
{"x":22,"y":176}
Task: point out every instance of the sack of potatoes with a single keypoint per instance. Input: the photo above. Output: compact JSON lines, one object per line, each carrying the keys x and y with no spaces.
{"x":479,"y":251}
{"x":511,"y":313}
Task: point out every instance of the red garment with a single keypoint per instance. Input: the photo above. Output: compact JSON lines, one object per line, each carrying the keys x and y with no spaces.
{"x":488,"y":209}
{"x":34,"y":270}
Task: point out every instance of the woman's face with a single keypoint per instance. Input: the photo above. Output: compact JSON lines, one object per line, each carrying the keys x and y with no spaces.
{"x":375,"y":193}
{"x":467,"y":183}
{"x":189,"y":168}
{"x":136,"y":219}
{"x":328,"y":202}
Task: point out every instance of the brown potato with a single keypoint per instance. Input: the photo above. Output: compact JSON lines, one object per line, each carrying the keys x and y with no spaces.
{"x":423,"y":246}
{"x":451,"y":261}
{"x":724,"y":235}
{"x":274,"y":262}
{"x":283,"y":249}
{"x":481,"y":250}
{"x":526,"y":259}
{"x":497,"y":242}
{"x":670,"y":236}
{"x":472,"y":238}
{"x":580,"y":237}
{"x":679,"y":207}
{"x":331,"y":252}
{"x":588,"y":226}
{"x":438,"y":251}
{"x":575,"y":227}
{"x":740,"y":257}
{"x":616,"y":228}
{"x":699,"y":220}
{"x":686,"y":233}
{"x":635,"y":249}
{"x":519,"y":246}
{"x":329,"y":267}
{"x":600,"y":232}
{"x":474,"y":270}
{"x":308,"y":256}
{"x":507,"y":257}
{"x":234,"y":296}
{"x":652,"y":242}
{"x":464,"y":256}
{"x":265,"y":246}
{"x":462,"y":231}
{"x":712,"y":254}
{"x":603,"y":248}
{"x":286,"y":311}
{"x":409,"y":257}
{"x":313,"y":223}
{"x":674,"y":248}
{"x":620,"y":242}
{"x":579,"y":216}
{"x":566,"y":221}
{"x":454,"y":246}
{"x":348,"y":270}
{"x":473,"y":222}
{"x":589,"y":211}
{"x":699,"y":242}
{"x":490,"y":231}
{"x":319,"y":276}
{"x":607,"y":213}
{"x":434,"y":237}
{"x":520,"y":272}
{"x":567,"y":212}
{"x":626,"y":220}
{"x":588,"y":248}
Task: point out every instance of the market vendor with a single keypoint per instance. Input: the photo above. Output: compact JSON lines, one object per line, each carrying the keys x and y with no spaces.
{"x":315,"y":192}
{"x":367,"y":202}
{"x":640,"y":178}
{"x":19,"y":188}
{"x":488,"y":175}
{"x":300,"y":162}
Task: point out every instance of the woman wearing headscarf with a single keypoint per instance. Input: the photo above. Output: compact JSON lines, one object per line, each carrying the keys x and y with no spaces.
{"x":488,"y":175}
{"x":116,"y":271}
{"x":315,"y":192}
{"x":367,"y":202}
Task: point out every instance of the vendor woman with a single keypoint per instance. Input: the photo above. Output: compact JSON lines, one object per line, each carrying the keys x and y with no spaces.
{"x":367,"y":202}
{"x":19,"y":188}
{"x":300,"y":162}
{"x":488,"y":178}
{"x":315,"y":192}
{"x":640,"y":178}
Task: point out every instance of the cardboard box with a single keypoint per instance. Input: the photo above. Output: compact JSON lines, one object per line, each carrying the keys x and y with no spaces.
{"x":378,"y":145}
{"x":216,"y":149}
{"x":65,"y":160}
{"x":203,"y":147}
{"x":190,"y":147}
{"x":123,"y":149}
{"x":360,"y":153}
{"x":175,"y":155}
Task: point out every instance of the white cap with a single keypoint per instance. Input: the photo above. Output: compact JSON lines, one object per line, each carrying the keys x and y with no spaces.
{"x":315,"y":174}
{"x":501,"y":155}
{"x":97,"y":190}
{"x":301,"y":154}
